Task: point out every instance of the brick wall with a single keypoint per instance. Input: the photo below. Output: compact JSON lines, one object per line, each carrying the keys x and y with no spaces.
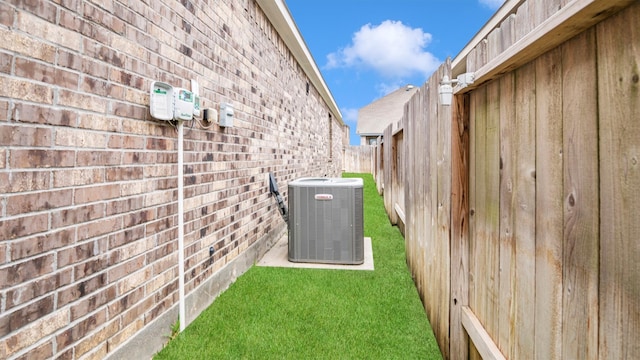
{"x":88,"y":180}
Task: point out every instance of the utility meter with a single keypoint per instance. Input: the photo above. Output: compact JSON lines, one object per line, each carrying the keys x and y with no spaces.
{"x":183,"y":104}
{"x":226,"y":115}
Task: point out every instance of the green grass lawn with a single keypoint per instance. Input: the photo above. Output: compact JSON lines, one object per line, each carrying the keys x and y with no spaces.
{"x":289,"y":313}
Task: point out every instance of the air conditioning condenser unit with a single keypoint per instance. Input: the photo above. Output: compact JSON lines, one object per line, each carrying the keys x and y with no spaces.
{"x":326,"y":220}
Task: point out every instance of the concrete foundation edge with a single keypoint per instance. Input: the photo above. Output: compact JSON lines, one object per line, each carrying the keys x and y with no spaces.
{"x":153,"y":337}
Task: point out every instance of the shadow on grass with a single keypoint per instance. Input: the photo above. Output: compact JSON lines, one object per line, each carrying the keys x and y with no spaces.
{"x":281,"y":313}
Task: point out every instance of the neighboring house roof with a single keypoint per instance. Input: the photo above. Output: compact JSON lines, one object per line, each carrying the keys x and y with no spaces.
{"x":375,"y":117}
{"x":279,"y":15}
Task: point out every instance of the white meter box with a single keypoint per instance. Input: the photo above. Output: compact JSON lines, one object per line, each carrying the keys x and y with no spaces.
{"x":169,"y":103}
{"x":161,"y":101}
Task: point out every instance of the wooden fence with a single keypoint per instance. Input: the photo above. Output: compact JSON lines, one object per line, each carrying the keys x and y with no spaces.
{"x":358,"y":159}
{"x":521,"y":201}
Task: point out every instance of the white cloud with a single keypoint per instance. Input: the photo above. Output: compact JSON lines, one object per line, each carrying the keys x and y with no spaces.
{"x":392,"y":49}
{"x":492,"y":4}
{"x":349,"y":115}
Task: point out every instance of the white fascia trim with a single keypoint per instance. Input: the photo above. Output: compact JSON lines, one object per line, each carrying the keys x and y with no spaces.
{"x":279,"y":15}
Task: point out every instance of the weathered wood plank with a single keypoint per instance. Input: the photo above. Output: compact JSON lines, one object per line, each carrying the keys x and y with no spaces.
{"x":506,"y":332}
{"x":478,"y":264}
{"x":492,"y":207}
{"x":581,"y":200}
{"x":458,"y":344}
{"x":619,"y":133}
{"x":480,"y":337}
{"x":548,"y":301}
{"x":572,"y":19}
{"x":508,"y":32}
{"x":524,"y":212}
{"x":473,"y":223}
{"x":494,"y":43}
{"x":442,"y":225}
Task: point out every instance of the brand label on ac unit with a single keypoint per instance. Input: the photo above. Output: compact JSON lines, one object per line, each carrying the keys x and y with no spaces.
{"x":324,"y":197}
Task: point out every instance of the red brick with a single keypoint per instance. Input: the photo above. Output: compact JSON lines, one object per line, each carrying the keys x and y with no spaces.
{"x":159,"y":309}
{"x":22,"y":204}
{"x":96,"y":193}
{"x":94,"y":340}
{"x":36,"y":288}
{"x":81,"y":329}
{"x":26,"y":270}
{"x":4,"y":110}
{"x":34,"y":70}
{"x":98,"y":228}
{"x":81,"y":252}
{"x":45,"y":10}
{"x":5,"y":62}
{"x":40,"y":244}
{"x":160,"y":252}
{"x":16,"y":319}
{"x":77,"y":177}
{"x":125,"y":205}
{"x":23,"y":226}
{"x":130,"y":111}
{"x":124,"y":173}
{"x":95,"y":86}
{"x":43,"y":351}
{"x":128,"y":235}
{"x":137,"y":158}
{"x":82,"y":101}
{"x":25,"y":136}
{"x":95,"y":158}
{"x":3,"y":253}
{"x":123,"y":269}
{"x":26,"y":159}
{"x":137,"y":311}
{"x":92,"y":303}
{"x":71,"y":21}
{"x":43,"y":115}
{"x":20,"y":181}
{"x":24,"y":89}
{"x":6,"y":14}
{"x":138,"y":218}
{"x":79,"y":290}
{"x":79,"y":138}
{"x":157,"y":226}
{"x":76,"y":215}
{"x":126,"y":301}
{"x":92,"y":266}
{"x":160,"y":144}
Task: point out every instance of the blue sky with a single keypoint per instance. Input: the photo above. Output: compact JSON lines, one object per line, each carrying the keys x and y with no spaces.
{"x":365,"y":49}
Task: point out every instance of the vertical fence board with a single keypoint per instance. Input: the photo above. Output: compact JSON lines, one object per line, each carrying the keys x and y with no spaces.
{"x":479,"y":237}
{"x":442,"y":208}
{"x":427,"y":231}
{"x":581,"y":215}
{"x":399,"y":175}
{"x":548,"y":301}
{"x":524,"y":212}
{"x":619,"y":109}
{"x":458,"y":345}
{"x":492,"y":202}
{"x":473,"y":224}
{"x":388,"y":171}
{"x":506,"y":332}
{"x":410,"y":174}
